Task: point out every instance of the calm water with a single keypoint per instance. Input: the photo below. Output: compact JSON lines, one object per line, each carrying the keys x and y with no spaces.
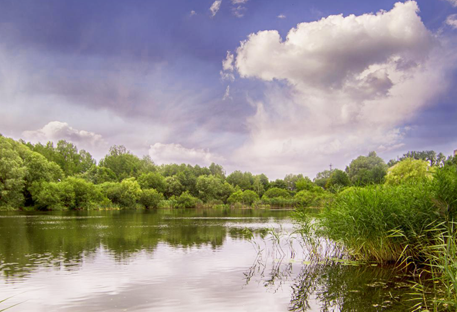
{"x":176,"y":260}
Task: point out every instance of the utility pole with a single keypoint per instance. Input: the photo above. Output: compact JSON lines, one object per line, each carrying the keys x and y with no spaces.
{"x":330,"y":167}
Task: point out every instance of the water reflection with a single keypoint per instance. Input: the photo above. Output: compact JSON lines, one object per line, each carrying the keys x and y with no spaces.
{"x":327,"y":283}
{"x":170,"y":260}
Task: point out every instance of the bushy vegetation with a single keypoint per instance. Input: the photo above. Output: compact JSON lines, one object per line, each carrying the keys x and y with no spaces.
{"x":59,"y":177}
{"x":408,"y":220}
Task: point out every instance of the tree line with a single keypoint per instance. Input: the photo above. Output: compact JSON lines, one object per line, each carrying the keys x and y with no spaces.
{"x":54,"y":177}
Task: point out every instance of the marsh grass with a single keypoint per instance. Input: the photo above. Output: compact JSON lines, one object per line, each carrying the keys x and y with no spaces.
{"x":411,"y":225}
{"x":382,"y":223}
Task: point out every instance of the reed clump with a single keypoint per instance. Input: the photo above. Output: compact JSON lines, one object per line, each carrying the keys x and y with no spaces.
{"x":408,"y":224}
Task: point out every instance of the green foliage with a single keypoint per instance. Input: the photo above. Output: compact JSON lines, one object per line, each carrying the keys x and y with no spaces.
{"x":322,"y":178}
{"x":338,"y":178}
{"x":258,"y":186}
{"x":125,"y":194}
{"x":382,"y":223}
{"x":240,"y":179}
{"x":445,"y":191}
{"x":20,"y":168}
{"x":66,"y":155}
{"x":150,"y":198}
{"x":306,"y":198}
{"x":152,"y":180}
{"x":291,"y":179}
{"x":72,"y":193}
{"x":98,"y":175}
{"x":217,"y":170}
{"x":279,"y":183}
{"x":186,"y":200}
{"x":275,"y":192}
{"x":47,"y":196}
{"x":247,"y":197}
{"x":407,"y":171}
{"x":173,"y":186}
{"x":305,"y":184}
{"x":124,"y":164}
{"x":130,"y":192}
{"x":365,"y":170}
{"x":12,"y":173}
{"x":431,"y":157}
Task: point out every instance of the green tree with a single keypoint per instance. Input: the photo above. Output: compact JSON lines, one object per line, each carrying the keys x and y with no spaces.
{"x":276,"y":192}
{"x":213,"y":188}
{"x":366,"y":170}
{"x":279,"y":183}
{"x":243,"y":180}
{"x":338,"y":178}
{"x":186,"y":200}
{"x":305,"y":184}
{"x":247,"y":197}
{"x":217,"y":170}
{"x":174,"y":187}
{"x":130,"y":192}
{"x":150,"y":198}
{"x":291,"y":180}
{"x":98,"y":175}
{"x":258,"y":186}
{"x":409,"y":170}
{"x":12,"y":174}
{"x":322,"y":178}
{"x":122,"y":163}
{"x":153,"y":180}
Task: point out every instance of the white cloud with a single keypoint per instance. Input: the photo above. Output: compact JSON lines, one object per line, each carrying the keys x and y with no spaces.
{"x":215,"y":7}
{"x":351,"y":83}
{"x":227,"y":64}
{"x":227,"y":94}
{"x":56,"y":130}
{"x":192,"y":13}
{"x":228,"y":67}
{"x":239,"y":1}
{"x":176,"y":153}
{"x":281,"y":16}
{"x":453,"y":2}
{"x":239,"y":11}
{"x":451,"y":20}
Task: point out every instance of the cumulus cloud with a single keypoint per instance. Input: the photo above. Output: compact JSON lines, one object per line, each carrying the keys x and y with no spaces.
{"x":281,"y":16}
{"x":56,"y":130}
{"x":176,"y":153}
{"x":215,"y":7}
{"x":338,"y":87}
{"x":451,"y":20}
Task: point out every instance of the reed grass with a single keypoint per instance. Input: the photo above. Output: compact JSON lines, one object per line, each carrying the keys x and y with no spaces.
{"x":409,"y":224}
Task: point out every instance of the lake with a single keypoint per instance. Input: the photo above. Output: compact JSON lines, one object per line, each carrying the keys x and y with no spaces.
{"x":178,"y":260}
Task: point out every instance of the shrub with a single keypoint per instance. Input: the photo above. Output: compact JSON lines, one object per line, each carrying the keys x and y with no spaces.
{"x":247,"y":197}
{"x":407,"y":171}
{"x":275,"y":192}
{"x":186,"y":200}
{"x":150,"y":198}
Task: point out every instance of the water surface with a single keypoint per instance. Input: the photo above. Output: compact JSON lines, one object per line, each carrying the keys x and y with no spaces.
{"x":176,"y":260}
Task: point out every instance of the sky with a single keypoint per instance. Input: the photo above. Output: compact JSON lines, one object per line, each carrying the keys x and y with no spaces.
{"x":266,"y":86}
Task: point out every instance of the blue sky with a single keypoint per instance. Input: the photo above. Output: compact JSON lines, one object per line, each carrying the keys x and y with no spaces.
{"x":203,"y":81}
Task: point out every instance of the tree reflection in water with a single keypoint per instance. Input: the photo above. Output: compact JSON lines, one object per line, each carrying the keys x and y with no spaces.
{"x":326,"y":282}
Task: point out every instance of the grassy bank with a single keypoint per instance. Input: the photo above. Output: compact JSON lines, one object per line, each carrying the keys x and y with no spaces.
{"x":410,"y":224}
